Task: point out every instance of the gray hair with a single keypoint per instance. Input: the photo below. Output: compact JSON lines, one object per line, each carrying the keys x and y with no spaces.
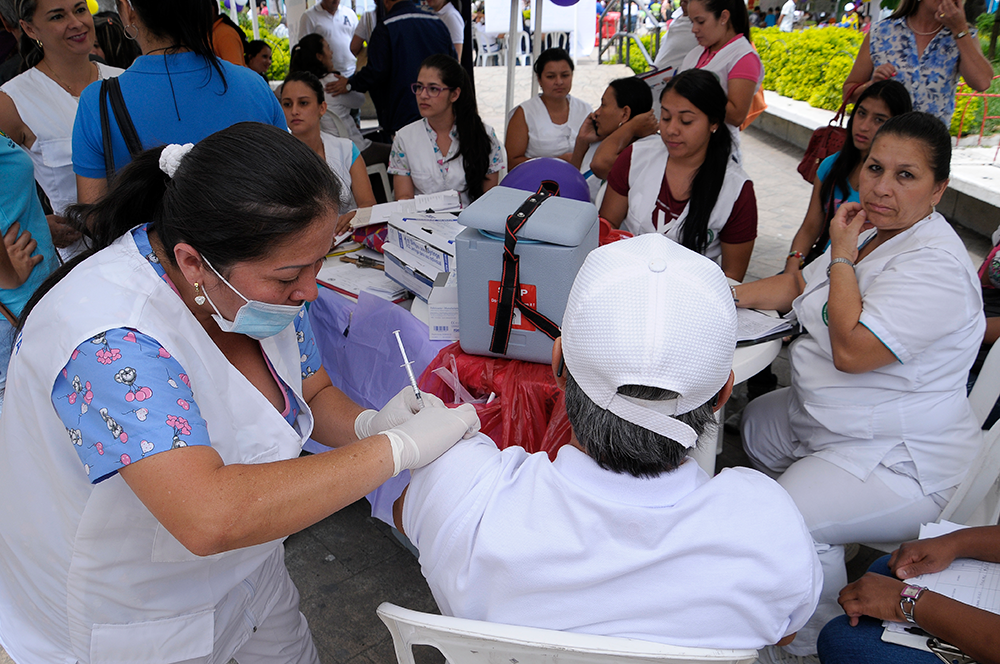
{"x":622,"y":446}
{"x":8,"y":11}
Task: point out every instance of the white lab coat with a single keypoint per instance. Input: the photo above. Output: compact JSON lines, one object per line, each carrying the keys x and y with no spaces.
{"x":87,"y":574}
{"x":922,"y":299}
{"x":645,"y":175}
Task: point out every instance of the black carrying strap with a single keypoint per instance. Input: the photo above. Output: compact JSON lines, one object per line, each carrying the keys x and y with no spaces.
{"x":510,"y":280}
{"x":111,"y":90}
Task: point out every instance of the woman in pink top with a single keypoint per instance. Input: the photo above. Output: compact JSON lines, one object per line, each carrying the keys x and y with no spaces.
{"x":722,"y":28}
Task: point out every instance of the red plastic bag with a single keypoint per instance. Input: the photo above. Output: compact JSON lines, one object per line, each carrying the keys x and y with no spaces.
{"x":528,"y":409}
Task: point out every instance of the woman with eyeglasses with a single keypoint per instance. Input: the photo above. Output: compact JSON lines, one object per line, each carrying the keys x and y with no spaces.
{"x":425,"y":154}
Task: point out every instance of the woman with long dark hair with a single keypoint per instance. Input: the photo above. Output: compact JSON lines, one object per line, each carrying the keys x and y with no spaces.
{"x":425,"y":154}
{"x":113,"y":46}
{"x":258,"y":56}
{"x":38,"y":107}
{"x":722,"y":28}
{"x":838,"y":175}
{"x":652,"y":186}
{"x":157,"y":402}
{"x":177,"y":91}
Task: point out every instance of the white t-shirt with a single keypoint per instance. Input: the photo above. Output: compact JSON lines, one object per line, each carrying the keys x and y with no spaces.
{"x":547,"y":139}
{"x":454,"y":22}
{"x":787,"y":16}
{"x":365,"y":26}
{"x":682,"y":559}
{"x":337,"y":29}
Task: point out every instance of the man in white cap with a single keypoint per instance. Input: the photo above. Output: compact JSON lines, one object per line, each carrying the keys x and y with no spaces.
{"x":623,"y":534}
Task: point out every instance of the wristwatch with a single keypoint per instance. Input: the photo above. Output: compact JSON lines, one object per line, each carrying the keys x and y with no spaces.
{"x":908,"y":597}
{"x":835,"y":261}
{"x":348,"y":86}
{"x":961,"y":34}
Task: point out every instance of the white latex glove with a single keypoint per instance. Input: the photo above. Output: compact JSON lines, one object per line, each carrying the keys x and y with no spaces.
{"x":399,"y":409}
{"x":429,"y":434}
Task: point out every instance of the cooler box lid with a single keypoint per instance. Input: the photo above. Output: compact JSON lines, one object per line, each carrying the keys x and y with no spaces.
{"x":561,"y":221}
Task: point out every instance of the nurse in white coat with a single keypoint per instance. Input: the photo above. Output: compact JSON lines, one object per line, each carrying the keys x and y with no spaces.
{"x":157,"y":401}
{"x":875,"y":432}
{"x":547,"y":125}
{"x":449,"y":147}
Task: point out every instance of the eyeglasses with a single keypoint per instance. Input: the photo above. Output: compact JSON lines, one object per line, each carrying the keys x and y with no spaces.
{"x":431,"y":90}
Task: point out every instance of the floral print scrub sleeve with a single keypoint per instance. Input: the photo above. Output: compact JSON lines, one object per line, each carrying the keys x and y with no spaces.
{"x":122,"y":397}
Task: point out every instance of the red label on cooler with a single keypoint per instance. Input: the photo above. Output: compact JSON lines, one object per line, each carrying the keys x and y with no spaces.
{"x":519,"y":321}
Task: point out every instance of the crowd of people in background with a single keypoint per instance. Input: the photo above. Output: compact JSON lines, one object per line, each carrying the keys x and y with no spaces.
{"x":117,"y":129}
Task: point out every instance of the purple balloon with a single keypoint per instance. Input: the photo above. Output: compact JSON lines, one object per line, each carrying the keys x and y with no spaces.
{"x":565,"y":3}
{"x":529,"y":175}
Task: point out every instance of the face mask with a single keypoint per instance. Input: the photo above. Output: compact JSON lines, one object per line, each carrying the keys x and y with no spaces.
{"x":258,"y":320}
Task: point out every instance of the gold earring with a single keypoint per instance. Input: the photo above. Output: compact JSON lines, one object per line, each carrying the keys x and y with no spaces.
{"x":198,"y":297}
{"x":39,"y":43}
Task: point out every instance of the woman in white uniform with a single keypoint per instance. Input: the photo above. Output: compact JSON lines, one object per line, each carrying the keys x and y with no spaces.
{"x":302,"y":100}
{"x":875,"y":432}
{"x":166,"y":416}
{"x":449,"y":147}
{"x":684,"y":182}
{"x":38,"y":107}
{"x":547,"y":125}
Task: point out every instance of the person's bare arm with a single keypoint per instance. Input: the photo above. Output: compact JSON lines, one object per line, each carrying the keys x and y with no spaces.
{"x":935,"y":554}
{"x":491,"y":180}
{"x":361,"y":186}
{"x":607,"y":152}
{"x":992,"y":331}
{"x":777,"y":292}
{"x":357,"y":43}
{"x":402,"y":186}
{"x":585,"y":137}
{"x":614,"y":207}
{"x":334,"y":411}
{"x":855,"y":348}
{"x":972,"y":64}
{"x":16,"y":261}
{"x":12,"y":124}
{"x":740,"y":95}
{"x":736,"y":259}
{"x":516,"y":140}
{"x":864,"y":73}
{"x":809,"y":231}
{"x":62,"y":233}
{"x":458,"y":50}
{"x":90,"y":190}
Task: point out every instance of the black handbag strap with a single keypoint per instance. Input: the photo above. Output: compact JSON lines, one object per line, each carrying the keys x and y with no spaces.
{"x":111,"y":91}
{"x":509,"y":296}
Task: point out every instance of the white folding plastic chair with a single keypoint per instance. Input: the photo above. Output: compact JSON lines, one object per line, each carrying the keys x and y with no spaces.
{"x":977,"y":499}
{"x":464,"y":641}
{"x":987,"y":388}
{"x":381,"y":172}
{"x":523,"y":54}
{"x":556,"y":40}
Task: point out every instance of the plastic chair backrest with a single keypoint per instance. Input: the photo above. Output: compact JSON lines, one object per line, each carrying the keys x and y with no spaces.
{"x":464,"y":641}
{"x":383,"y":174}
{"x":987,"y":388}
{"x":523,"y":55}
{"x":503,"y":168}
{"x":977,"y":500}
{"x":477,"y":51}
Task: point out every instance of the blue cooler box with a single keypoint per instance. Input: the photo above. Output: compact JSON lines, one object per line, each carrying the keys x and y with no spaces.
{"x":552,"y":244}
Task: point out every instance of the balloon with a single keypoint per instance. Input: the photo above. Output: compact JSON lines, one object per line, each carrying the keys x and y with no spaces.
{"x":93,"y":6}
{"x":240,"y":4}
{"x":529,"y":175}
{"x":565,"y":3}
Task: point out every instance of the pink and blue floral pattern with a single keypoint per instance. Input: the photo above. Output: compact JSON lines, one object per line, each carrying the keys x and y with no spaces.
{"x":123,"y":397}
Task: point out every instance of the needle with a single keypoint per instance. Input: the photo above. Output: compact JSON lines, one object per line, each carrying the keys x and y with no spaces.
{"x":409,"y":370}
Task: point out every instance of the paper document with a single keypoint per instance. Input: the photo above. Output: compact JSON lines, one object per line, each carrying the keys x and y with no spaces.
{"x":442,"y":201}
{"x":972,"y":582}
{"x":752,"y":324}
{"x":349,"y":279}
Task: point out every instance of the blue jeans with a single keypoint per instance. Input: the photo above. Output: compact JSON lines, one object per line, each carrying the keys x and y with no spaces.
{"x":839,"y":643}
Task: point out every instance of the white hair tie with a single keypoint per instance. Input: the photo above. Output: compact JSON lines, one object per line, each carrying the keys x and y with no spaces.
{"x":171,"y":157}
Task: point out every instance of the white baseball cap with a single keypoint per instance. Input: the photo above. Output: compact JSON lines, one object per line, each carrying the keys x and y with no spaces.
{"x":849,"y":7}
{"x":647,"y":311}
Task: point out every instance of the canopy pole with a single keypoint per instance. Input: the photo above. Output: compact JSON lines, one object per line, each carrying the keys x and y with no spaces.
{"x":536,"y":49}
{"x":512,"y":38}
{"x":253,"y":19}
